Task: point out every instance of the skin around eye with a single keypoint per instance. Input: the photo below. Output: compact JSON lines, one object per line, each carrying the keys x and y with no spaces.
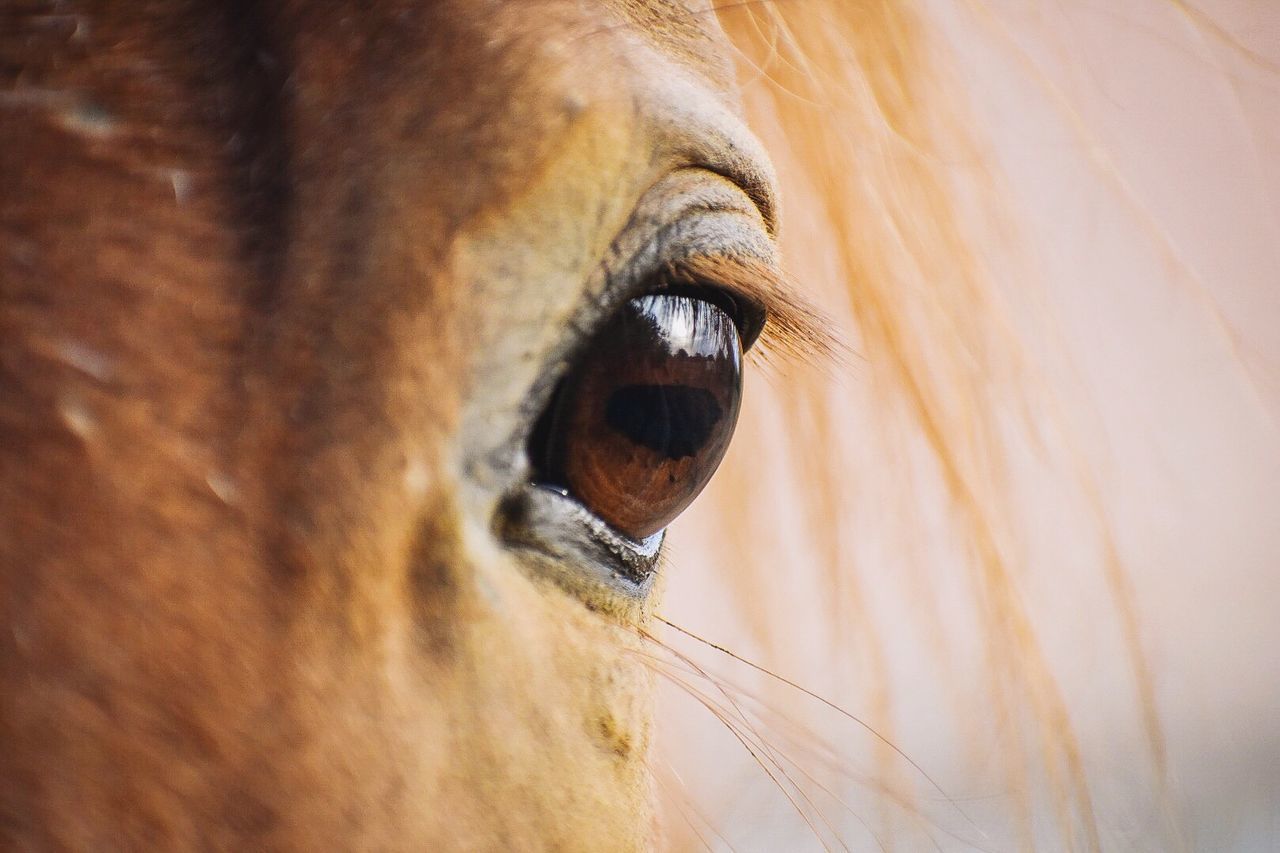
{"x":639,"y":428}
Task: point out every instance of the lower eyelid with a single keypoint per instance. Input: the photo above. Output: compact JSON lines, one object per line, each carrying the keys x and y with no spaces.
{"x":561,"y":541}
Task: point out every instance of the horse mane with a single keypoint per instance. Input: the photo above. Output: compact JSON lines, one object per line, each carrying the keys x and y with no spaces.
{"x":897,"y":222}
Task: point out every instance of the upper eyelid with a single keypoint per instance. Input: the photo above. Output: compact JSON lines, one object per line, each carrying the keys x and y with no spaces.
{"x":712,"y":138}
{"x":710,"y":218}
{"x":740,"y":260}
{"x":752,"y":192}
{"x":791,"y":325}
{"x":755,"y":185}
{"x":697,"y":224}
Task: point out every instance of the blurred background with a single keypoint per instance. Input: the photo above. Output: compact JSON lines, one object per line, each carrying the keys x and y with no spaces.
{"x":1052,"y":589}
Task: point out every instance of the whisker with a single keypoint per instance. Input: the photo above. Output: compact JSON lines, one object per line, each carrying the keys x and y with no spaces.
{"x":760,"y":741}
{"x":681,"y":802}
{"x":825,"y":789}
{"x":820,"y":750}
{"x":694,"y":808}
{"x":759,"y":752}
{"x":833,"y":706}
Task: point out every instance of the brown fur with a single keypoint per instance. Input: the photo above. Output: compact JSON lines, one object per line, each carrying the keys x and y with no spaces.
{"x":247,"y":294}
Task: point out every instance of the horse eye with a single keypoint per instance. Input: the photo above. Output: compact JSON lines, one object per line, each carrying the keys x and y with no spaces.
{"x":635,"y":432}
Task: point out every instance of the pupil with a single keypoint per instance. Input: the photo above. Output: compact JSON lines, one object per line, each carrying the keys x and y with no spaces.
{"x":674,"y":420}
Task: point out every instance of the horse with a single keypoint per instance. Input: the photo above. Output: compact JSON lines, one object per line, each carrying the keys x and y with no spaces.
{"x":356,"y":360}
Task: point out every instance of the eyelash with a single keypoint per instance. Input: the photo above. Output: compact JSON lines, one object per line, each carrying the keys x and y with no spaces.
{"x":748,"y":317}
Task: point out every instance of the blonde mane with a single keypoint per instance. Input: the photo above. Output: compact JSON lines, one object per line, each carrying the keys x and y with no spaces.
{"x":911,"y":540}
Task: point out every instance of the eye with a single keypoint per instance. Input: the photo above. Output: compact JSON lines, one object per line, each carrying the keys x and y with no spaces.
{"x":635,"y":432}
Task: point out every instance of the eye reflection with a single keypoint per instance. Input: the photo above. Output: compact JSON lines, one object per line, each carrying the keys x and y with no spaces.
{"x":637,"y":430}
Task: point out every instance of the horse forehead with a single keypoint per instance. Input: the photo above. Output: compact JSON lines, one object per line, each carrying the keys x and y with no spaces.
{"x":474,"y":91}
{"x":686,"y":31}
{"x":544,"y":55}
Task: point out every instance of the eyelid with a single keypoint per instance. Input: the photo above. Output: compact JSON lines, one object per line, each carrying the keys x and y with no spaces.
{"x":784,"y":320}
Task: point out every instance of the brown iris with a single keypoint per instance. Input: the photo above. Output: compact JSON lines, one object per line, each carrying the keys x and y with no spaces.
{"x":635,"y":433}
